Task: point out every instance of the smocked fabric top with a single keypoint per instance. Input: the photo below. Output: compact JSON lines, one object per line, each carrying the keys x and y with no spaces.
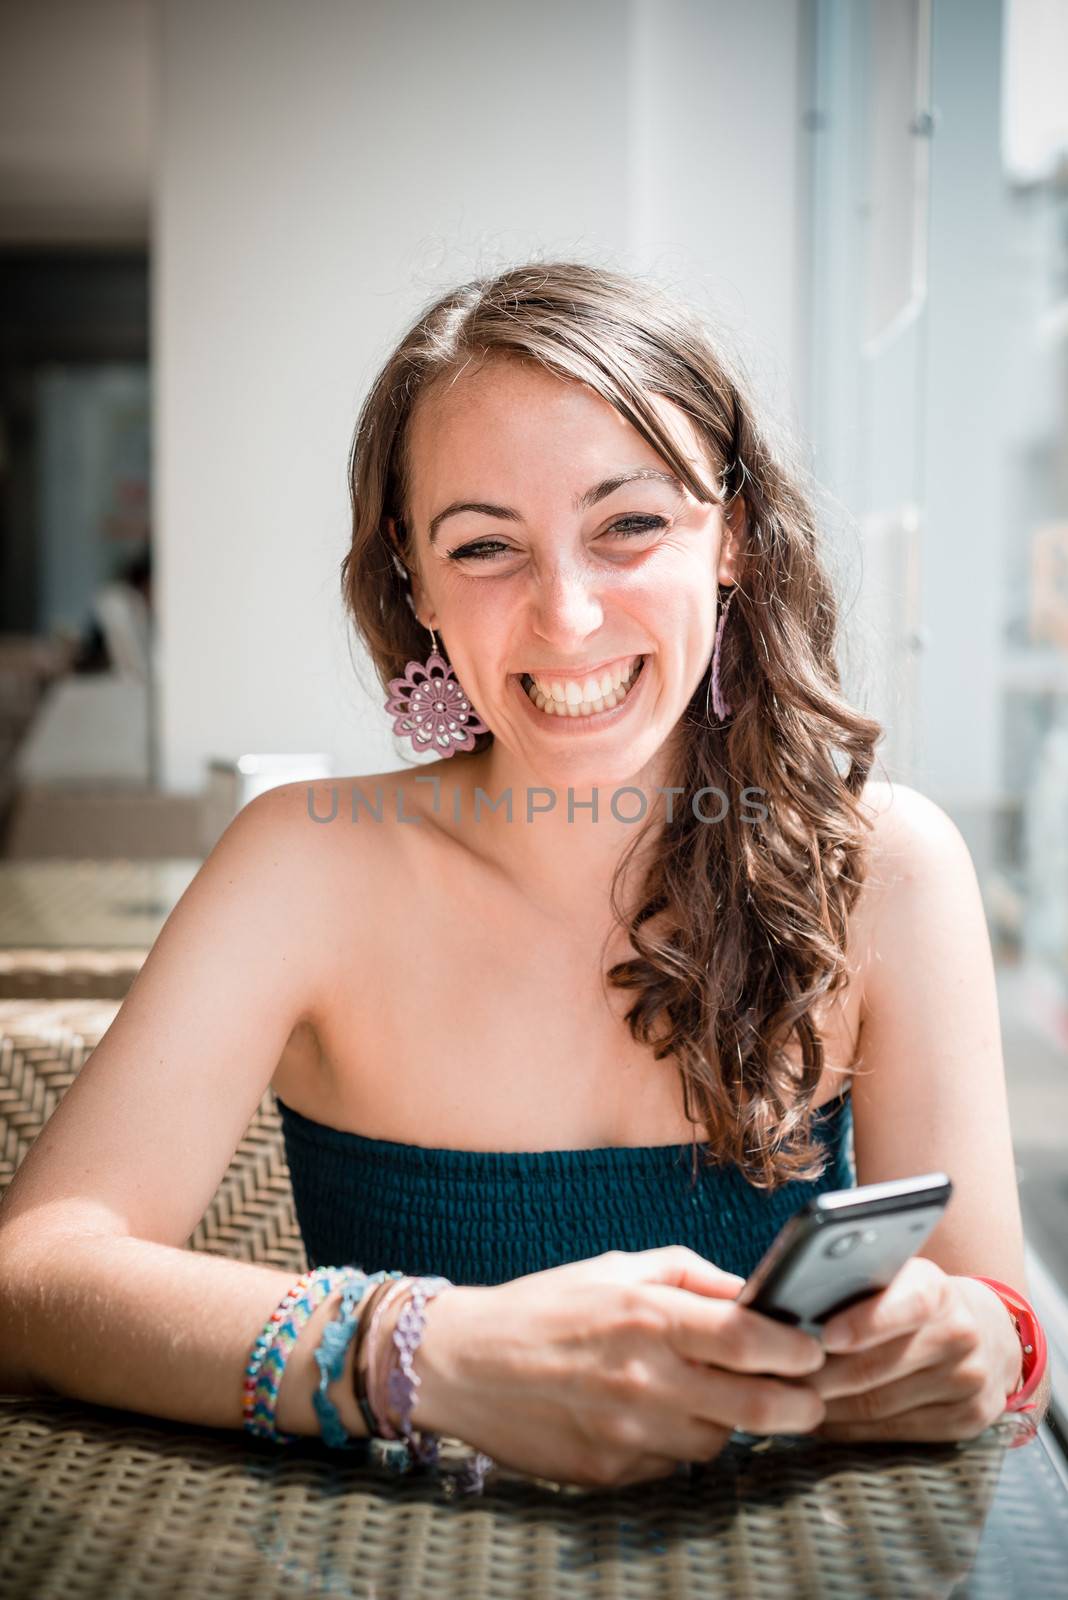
{"x":486,"y":1216}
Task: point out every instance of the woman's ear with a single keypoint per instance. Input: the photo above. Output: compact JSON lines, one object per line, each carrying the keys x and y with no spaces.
{"x":410,"y":579}
{"x":389,"y":525}
{"x":732,"y":541}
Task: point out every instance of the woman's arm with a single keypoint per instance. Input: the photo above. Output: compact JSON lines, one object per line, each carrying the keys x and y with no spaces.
{"x":930,"y":1094}
{"x":99,"y":1298}
{"x":140,"y":1326}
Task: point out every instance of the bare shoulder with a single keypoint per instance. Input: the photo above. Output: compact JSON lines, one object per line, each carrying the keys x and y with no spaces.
{"x":348,"y":840}
{"x":919,"y":878}
{"x":343,"y":849}
{"x":909,"y":831}
{"x":904,"y":830}
{"x":332,"y":818}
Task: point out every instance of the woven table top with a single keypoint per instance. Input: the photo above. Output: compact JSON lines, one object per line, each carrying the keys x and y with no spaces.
{"x":91,"y":904}
{"x":68,"y":974}
{"x":100,"y":1502}
{"x":95,"y":1502}
{"x":82,"y":929}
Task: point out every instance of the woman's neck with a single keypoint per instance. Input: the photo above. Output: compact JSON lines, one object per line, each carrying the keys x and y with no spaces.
{"x":560,"y":842}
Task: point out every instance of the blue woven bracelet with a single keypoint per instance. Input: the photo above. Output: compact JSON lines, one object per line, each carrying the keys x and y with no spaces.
{"x":330,"y":1357}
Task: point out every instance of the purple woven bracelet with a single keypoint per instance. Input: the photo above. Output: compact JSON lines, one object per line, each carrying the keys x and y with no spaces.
{"x":403,"y":1381}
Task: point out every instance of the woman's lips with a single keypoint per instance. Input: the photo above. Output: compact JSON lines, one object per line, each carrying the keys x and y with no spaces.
{"x":578,"y":721}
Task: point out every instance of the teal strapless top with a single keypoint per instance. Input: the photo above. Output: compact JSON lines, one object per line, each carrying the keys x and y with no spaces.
{"x":485,"y":1216}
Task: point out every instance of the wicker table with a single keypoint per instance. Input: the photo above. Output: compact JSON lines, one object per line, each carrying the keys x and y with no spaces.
{"x":99,"y":1502}
{"x":81,"y":929}
{"x":96,"y":1502}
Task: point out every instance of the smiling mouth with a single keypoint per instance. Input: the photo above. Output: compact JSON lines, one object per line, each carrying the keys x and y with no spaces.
{"x":551,"y":706}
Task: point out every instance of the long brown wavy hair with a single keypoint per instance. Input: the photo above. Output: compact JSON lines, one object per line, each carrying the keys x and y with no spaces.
{"x":740,"y":929}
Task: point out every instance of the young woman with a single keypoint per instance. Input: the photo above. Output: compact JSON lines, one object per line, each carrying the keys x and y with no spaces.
{"x":578,"y":1013}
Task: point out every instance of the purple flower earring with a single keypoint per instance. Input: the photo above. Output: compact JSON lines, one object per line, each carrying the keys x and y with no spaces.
{"x":430,"y":708}
{"x":719,"y":704}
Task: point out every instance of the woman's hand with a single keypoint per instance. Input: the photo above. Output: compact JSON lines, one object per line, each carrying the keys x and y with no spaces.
{"x":612,"y":1370}
{"x":932,"y":1357}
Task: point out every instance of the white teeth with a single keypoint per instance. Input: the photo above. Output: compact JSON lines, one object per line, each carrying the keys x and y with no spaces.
{"x":571,"y":692}
{"x":584,"y":700}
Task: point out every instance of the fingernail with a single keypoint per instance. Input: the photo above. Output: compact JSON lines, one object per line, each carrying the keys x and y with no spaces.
{"x":840,"y":1339}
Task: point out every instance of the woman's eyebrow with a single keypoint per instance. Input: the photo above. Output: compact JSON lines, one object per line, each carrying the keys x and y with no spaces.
{"x":582,"y":502}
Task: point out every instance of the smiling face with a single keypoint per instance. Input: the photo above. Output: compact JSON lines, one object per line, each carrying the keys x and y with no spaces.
{"x":571,"y":576}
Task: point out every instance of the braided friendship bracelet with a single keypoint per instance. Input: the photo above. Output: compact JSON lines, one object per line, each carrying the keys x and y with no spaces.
{"x":330,"y":1358}
{"x":403,"y":1380}
{"x":267,"y":1359}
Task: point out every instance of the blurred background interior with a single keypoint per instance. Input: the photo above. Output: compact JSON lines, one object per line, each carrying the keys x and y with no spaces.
{"x":216,"y":215}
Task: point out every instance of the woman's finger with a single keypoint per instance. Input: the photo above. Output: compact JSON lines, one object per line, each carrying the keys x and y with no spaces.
{"x":914,"y":1299}
{"x":648,"y":1468}
{"x":711,"y":1397}
{"x":941,"y":1384}
{"x":925,"y":1424}
{"x":879,"y":1364}
{"x":706,"y":1330}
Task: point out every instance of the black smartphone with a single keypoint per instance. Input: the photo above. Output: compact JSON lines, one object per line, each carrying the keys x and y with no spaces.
{"x":843,"y":1246}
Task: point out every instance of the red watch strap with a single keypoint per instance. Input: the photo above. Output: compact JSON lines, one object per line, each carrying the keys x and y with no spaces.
{"x":1032,"y":1339}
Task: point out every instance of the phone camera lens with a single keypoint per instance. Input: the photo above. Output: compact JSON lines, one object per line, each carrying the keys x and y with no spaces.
{"x":842,"y":1245}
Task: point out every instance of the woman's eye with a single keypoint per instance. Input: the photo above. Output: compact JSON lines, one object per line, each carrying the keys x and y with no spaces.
{"x":629,"y":526}
{"x":626,"y":528}
{"x":477,"y":552}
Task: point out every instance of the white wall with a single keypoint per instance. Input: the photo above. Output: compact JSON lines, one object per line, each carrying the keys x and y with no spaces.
{"x":323,"y":170}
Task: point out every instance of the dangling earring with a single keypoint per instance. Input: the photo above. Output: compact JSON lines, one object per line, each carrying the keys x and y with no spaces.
{"x":719,"y":704}
{"x":430,"y":708}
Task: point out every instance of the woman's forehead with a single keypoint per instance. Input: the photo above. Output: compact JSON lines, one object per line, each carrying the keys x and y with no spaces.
{"x":511,"y":419}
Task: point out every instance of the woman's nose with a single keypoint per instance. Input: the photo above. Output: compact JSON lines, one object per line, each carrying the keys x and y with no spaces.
{"x":567,"y":606}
